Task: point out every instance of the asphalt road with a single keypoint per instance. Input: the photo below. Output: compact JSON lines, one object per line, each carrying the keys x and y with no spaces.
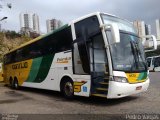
{"x":35,"y":101}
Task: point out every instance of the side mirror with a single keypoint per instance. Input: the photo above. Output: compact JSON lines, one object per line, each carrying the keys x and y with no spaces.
{"x":114,"y":30}
{"x":148,"y":44}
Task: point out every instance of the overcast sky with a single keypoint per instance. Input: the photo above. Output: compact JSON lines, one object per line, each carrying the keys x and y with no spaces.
{"x":67,"y":10}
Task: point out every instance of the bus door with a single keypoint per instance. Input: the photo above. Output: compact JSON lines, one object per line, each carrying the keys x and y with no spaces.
{"x":89,"y":57}
{"x":99,"y":65}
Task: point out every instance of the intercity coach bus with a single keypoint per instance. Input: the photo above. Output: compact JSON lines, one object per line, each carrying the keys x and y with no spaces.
{"x":1,"y":72}
{"x":96,"y":55}
{"x":154,"y":63}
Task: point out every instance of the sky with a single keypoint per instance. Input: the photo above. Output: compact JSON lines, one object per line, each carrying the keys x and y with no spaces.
{"x":67,"y":10}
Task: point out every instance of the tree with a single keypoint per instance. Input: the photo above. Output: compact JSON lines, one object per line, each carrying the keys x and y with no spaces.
{"x":8,"y":43}
{"x":12,"y":34}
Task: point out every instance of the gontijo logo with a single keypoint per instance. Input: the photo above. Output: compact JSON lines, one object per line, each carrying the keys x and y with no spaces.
{"x":20,"y":65}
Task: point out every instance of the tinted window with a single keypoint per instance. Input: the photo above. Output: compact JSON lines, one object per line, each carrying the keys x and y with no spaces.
{"x":51,"y":44}
{"x":90,"y":25}
{"x":9,"y":57}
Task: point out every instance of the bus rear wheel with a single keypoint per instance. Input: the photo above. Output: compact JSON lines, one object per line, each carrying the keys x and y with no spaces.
{"x":67,"y":89}
{"x":15,"y":84}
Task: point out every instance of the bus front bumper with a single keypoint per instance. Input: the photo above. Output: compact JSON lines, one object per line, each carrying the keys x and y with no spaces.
{"x":119,"y":90}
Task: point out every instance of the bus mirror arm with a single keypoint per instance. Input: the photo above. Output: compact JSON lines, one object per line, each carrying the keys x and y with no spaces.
{"x":114,"y":30}
{"x":154,"y":41}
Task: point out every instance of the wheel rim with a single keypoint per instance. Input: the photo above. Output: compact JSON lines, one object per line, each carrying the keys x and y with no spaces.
{"x":68,"y":89}
{"x":16,"y":85}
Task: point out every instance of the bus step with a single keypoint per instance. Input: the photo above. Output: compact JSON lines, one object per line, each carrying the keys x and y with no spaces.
{"x":102,"y":89}
{"x":100,"y":95}
{"x":103,"y":83}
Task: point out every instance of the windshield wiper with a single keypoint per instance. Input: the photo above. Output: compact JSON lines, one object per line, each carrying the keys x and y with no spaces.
{"x":136,"y":53}
{"x":139,"y":53}
{"x":133,"y":48}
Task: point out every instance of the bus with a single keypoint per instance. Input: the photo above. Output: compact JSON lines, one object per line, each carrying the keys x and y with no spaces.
{"x":1,"y":72}
{"x":154,"y":63}
{"x":98,"y":54}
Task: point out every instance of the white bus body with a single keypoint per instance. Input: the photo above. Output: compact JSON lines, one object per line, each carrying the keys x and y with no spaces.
{"x":96,"y":55}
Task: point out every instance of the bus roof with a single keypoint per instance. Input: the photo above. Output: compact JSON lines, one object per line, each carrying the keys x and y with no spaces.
{"x":96,"y":13}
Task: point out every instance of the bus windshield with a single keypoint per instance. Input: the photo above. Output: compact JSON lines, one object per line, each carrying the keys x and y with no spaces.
{"x":127,"y":55}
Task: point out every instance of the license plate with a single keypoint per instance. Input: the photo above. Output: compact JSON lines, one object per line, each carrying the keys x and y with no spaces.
{"x":139,"y":88}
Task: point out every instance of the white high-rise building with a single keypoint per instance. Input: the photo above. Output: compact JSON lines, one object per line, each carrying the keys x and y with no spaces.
{"x":53,"y":24}
{"x":29,"y":22}
{"x":142,"y":28}
{"x":140,"y":25}
{"x":158,"y":28}
{"x":36,"y":23}
{"x":49,"y":25}
{"x":25,"y":22}
{"x":148,"y":29}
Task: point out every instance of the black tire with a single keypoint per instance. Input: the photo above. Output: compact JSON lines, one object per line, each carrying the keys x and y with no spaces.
{"x":15,"y":84}
{"x":68,"y":89}
{"x":11,"y":83}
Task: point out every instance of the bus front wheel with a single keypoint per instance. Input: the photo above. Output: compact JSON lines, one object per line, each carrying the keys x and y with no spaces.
{"x":67,"y":89}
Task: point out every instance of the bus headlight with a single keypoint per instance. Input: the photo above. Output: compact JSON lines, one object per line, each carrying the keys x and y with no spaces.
{"x":120,"y":79}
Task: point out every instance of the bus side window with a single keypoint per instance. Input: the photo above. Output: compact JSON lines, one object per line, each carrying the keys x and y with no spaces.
{"x":57,"y":42}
